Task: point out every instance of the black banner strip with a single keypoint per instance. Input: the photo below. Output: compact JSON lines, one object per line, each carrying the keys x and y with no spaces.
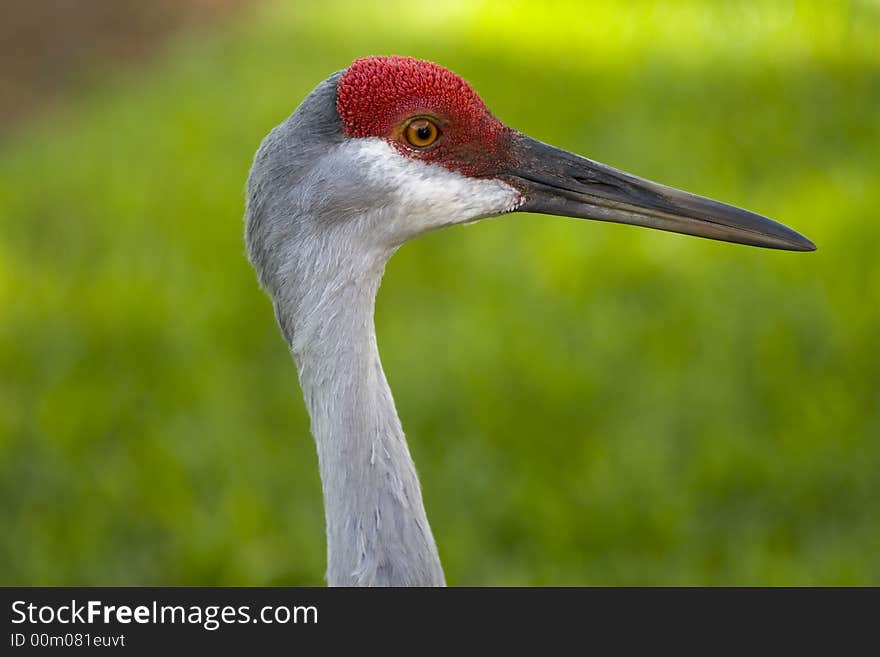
{"x":237,"y":619}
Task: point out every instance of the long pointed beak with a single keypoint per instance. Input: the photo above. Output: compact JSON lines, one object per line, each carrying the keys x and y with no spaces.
{"x":554,"y":181}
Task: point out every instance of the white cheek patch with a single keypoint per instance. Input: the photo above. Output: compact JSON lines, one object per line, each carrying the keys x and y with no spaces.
{"x":425,"y":196}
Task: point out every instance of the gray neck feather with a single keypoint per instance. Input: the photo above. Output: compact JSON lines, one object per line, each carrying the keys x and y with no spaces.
{"x":324,"y":293}
{"x":377,"y":530}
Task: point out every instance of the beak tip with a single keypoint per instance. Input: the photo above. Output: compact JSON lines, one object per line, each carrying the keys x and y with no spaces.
{"x":802,"y":244}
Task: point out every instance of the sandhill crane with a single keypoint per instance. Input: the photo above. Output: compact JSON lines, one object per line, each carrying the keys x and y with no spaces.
{"x":376,"y":155}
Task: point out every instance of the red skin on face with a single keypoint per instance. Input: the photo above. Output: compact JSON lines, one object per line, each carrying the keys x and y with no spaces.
{"x":377,"y":96}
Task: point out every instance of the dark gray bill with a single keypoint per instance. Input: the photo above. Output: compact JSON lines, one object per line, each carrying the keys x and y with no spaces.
{"x":554,"y":181}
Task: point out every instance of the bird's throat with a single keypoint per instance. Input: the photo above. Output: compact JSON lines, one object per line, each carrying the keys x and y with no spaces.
{"x":377,"y":530}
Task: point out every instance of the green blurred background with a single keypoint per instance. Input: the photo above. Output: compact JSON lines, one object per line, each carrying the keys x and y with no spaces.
{"x":586,"y":403}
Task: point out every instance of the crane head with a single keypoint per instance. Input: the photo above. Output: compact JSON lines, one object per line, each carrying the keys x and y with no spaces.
{"x":431,"y":115}
{"x":393,"y":147}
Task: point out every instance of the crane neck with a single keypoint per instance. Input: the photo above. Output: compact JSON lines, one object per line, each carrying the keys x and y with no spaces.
{"x":377,"y":530}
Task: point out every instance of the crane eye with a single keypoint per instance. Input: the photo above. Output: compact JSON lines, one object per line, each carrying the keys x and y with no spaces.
{"x":421,"y":133}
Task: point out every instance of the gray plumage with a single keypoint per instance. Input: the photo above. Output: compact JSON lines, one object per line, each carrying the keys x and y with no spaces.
{"x":300,"y":220}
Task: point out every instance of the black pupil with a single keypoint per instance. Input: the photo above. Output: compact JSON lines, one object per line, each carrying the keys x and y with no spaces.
{"x":423,"y":132}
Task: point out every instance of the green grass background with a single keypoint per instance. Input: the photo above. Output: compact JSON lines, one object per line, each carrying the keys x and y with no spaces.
{"x":586,"y":403}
